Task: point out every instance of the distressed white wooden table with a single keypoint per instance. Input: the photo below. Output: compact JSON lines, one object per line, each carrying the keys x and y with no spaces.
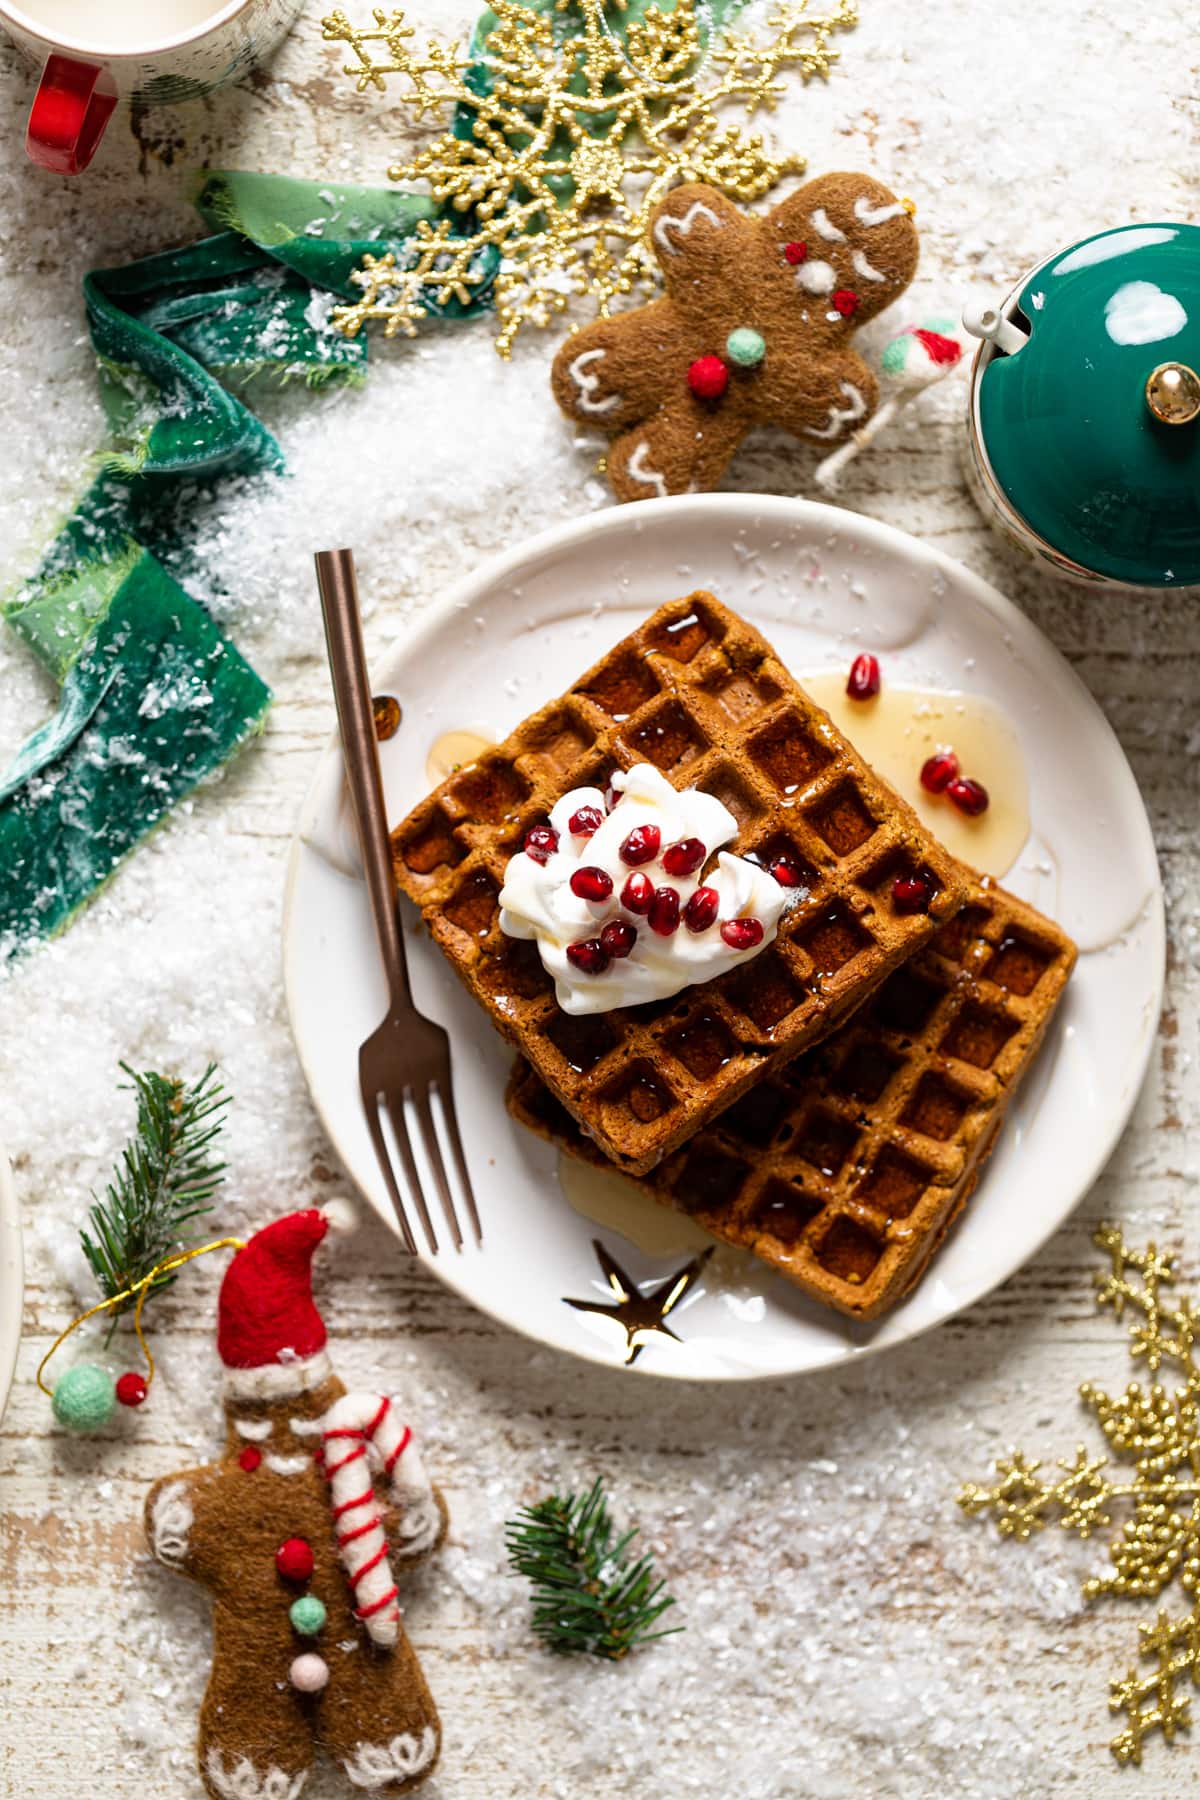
{"x":846,"y":1631}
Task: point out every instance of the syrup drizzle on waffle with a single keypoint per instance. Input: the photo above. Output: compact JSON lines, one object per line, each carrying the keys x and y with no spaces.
{"x":700,"y":694}
{"x":845,"y":1169}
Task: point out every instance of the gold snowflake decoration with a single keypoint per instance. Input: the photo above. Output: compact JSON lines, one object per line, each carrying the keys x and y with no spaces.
{"x":562,"y":135}
{"x":1159,"y":1434}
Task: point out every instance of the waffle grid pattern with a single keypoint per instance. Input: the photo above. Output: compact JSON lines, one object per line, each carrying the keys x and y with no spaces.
{"x":845,"y":1170}
{"x":698,"y":693}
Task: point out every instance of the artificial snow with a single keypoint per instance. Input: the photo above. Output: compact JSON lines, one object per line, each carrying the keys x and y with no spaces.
{"x":845,"y":1631}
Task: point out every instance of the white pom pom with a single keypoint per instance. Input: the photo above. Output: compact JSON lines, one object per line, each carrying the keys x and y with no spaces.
{"x":340,"y":1215}
{"x":309,"y":1674}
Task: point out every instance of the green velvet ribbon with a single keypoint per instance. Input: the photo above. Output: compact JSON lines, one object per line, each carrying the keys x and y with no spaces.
{"x":153,"y":696}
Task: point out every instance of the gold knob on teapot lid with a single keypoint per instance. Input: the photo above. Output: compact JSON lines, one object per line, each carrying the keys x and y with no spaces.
{"x":1173,"y":393}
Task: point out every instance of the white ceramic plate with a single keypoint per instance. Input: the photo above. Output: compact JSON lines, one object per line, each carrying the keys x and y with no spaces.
{"x":821,"y":584}
{"x":11,"y":1280}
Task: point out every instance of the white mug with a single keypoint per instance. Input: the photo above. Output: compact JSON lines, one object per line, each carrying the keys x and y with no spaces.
{"x":93,"y":53}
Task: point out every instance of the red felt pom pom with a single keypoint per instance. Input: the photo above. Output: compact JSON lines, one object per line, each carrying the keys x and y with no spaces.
{"x":250,"y":1458}
{"x":795,"y":253}
{"x":294,"y":1559}
{"x":708,"y":378}
{"x":845,"y":301}
{"x":131,"y":1389}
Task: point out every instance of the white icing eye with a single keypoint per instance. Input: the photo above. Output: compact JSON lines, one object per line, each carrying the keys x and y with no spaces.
{"x":816,"y":277}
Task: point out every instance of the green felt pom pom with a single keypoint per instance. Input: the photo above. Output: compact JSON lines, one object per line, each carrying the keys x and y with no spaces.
{"x":895,"y":356}
{"x":746,"y":348}
{"x":84,"y":1398}
{"x":307,"y":1615}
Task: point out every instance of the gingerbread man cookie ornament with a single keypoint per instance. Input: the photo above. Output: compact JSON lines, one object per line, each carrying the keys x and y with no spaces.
{"x":754,"y":329}
{"x":287,"y":1532}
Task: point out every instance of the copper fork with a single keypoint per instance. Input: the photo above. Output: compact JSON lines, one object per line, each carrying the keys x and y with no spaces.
{"x":406,"y":1061}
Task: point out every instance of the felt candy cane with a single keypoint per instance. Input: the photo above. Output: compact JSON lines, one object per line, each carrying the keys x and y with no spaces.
{"x":917,"y":359}
{"x":358,"y":1433}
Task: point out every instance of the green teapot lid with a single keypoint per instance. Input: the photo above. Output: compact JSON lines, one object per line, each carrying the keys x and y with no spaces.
{"x":1092,"y":426}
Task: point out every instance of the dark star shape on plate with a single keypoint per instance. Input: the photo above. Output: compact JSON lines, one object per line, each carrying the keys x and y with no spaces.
{"x":642,"y":1315}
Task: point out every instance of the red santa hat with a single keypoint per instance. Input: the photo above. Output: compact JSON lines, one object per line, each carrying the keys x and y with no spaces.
{"x":270,"y":1335}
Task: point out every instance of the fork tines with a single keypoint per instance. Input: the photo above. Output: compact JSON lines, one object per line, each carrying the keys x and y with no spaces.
{"x":398,"y":1099}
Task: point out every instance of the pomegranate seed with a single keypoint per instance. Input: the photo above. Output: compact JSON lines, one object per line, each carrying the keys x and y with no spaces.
{"x":663,"y":916}
{"x":589,"y":955}
{"x":641,"y":846}
{"x":701,"y":910}
{"x":591,"y":884}
{"x":683,"y":858}
{"x":910,"y":894}
{"x":938,"y":771}
{"x":585,"y":822}
{"x":969,"y":796}
{"x":864,"y":677}
{"x":637,"y":894}
{"x":618,"y":938}
{"x":541,"y":841}
{"x":742,"y":934}
{"x":786,"y":873}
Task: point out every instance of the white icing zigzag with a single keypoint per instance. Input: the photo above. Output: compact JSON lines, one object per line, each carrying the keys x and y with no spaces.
{"x":867,"y":270}
{"x":840,"y":415}
{"x":824,"y":227}
{"x":641,"y":471}
{"x":257,"y":1430}
{"x":243,"y":1782}
{"x":373,"y":1765}
{"x":669,"y":226}
{"x":287,"y":1465}
{"x":170,"y":1522}
{"x":586,"y":384}
{"x":869,"y":215}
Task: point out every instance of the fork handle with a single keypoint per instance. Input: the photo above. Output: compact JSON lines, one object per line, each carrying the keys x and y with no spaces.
{"x":360,"y":750}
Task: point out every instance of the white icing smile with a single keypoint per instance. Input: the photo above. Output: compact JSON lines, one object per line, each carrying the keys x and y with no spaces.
{"x":537,"y":901}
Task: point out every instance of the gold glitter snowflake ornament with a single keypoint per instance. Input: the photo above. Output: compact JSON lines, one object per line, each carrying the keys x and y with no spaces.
{"x":562,"y":135}
{"x":1159,"y":1434}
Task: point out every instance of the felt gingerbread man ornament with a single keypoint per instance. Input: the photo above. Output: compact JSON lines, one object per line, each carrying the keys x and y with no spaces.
{"x":288,"y":1534}
{"x":754,"y":329}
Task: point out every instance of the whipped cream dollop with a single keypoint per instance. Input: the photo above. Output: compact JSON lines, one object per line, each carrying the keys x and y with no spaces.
{"x":538,"y":901}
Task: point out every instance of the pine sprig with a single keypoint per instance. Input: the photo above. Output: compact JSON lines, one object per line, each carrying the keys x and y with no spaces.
{"x":166,"y":1177}
{"x":588,"y":1595}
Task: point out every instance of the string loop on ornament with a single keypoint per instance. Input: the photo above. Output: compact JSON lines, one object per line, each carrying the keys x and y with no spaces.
{"x":141,"y":1289}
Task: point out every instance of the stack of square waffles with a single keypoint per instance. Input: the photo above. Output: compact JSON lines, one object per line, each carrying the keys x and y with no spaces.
{"x":829,"y":1103}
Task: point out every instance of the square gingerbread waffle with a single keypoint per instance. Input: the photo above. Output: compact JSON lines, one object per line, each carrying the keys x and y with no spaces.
{"x":845,"y":1169}
{"x":701,"y":695}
